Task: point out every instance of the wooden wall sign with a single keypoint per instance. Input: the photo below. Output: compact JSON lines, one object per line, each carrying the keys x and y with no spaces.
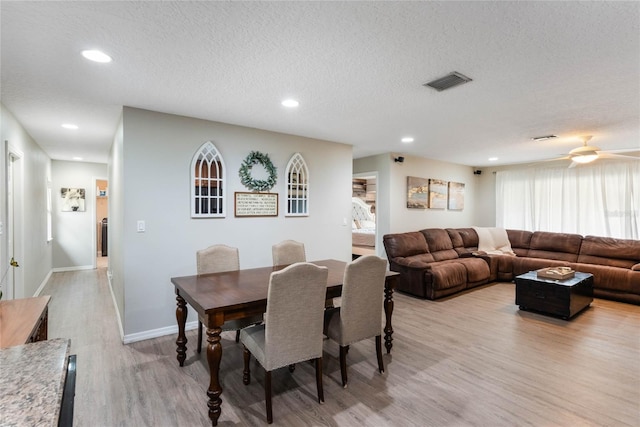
{"x":256,"y":204}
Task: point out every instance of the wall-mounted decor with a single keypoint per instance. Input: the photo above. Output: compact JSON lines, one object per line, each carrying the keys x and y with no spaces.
{"x":297,"y":176}
{"x":417,"y":192}
{"x":72,"y":199}
{"x":456,"y":196}
{"x":437,"y":194}
{"x":258,"y":158}
{"x":208,"y":183}
{"x":256,"y":204}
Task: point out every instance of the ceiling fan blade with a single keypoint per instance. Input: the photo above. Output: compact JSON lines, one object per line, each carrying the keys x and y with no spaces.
{"x":573,"y":165}
{"x":606,"y":155}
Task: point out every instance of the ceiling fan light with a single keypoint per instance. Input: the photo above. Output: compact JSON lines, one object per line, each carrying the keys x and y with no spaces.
{"x":586,"y":157}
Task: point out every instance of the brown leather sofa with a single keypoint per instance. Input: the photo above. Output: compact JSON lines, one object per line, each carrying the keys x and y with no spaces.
{"x":430,"y":266}
{"x":437,"y":262}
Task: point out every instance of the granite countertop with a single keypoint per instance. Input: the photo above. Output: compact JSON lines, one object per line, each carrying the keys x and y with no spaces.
{"x":32,"y":378}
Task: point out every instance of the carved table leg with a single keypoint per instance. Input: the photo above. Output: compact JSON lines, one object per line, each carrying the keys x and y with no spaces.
{"x":389,"y":284}
{"x":181,"y":317}
{"x":214,"y":355}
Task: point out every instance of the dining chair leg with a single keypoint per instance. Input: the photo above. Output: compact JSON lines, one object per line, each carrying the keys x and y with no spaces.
{"x":343,"y":364}
{"x":319,"y":380}
{"x":379,"y":353}
{"x":246,"y":373}
{"x":199,"y":348}
{"x":267,"y":396}
{"x":292,"y":368}
{"x":238,"y":335}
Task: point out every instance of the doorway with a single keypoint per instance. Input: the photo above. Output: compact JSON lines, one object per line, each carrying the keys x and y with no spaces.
{"x":364,"y":225}
{"x":102,"y":223}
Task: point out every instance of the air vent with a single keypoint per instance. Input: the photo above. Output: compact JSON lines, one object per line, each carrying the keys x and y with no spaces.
{"x":543,"y":138}
{"x":448,"y":81}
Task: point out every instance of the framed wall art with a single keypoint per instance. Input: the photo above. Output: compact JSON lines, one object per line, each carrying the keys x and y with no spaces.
{"x":73,"y":199}
{"x":456,"y":196}
{"x":437,"y":194}
{"x":417,"y":192}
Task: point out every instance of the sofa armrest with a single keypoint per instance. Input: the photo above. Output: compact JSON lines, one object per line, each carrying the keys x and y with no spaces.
{"x":635,"y":267}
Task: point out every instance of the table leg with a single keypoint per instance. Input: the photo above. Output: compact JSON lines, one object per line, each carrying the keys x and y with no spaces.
{"x":389,"y":284}
{"x":214,"y":355}
{"x":181,"y":317}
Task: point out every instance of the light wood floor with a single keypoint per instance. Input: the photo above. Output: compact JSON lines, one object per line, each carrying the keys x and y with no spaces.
{"x":471,"y":360}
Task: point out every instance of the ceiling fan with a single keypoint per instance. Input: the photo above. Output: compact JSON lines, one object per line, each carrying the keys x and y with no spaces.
{"x":589,"y":153}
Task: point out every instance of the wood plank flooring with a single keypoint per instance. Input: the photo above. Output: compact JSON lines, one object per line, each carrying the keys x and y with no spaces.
{"x":470,"y":360}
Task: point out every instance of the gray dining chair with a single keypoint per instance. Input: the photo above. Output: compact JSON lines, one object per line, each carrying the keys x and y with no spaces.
{"x":218,"y":259}
{"x":360,"y":313}
{"x":287,"y":252}
{"x":292,"y":331}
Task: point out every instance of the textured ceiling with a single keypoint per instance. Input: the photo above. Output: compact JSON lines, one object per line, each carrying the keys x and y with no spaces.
{"x":357,"y":68}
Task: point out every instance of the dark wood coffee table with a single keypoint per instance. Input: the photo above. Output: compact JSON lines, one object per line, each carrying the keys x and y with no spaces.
{"x":564,"y":298}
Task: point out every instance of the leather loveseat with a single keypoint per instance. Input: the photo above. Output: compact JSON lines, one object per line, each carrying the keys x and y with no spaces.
{"x":430,"y":265}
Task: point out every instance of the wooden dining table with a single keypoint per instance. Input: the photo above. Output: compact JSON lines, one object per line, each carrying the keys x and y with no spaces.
{"x":221,"y":297}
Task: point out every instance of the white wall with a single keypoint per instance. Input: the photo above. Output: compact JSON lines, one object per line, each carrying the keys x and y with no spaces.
{"x":34,"y":256}
{"x":155,"y":163}
{"x":73,"y":232}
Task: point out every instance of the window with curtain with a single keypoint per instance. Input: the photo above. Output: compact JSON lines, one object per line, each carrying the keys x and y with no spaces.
{"x":600,"y":200}
{"x":207,"y":183}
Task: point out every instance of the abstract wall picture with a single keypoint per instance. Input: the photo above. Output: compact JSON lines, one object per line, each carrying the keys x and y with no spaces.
{"x":456,"y":196}
{"x":73,"y":199}
{"x":437,"y":194}
{"x":417,"y":193}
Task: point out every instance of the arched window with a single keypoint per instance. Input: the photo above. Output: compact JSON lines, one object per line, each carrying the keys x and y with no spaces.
{"x":207,"y":183}
{"x":297,"y":177}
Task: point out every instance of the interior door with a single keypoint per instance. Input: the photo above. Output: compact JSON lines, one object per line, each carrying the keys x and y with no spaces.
{"x":14,"y":279}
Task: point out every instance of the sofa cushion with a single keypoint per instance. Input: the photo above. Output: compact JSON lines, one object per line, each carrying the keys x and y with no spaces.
{"x":520,"y":241}
{"x":447,"y":274}
{"x":558,"y":246}
{"x":477,"y":270}
{"x":415,"y":261}
{"x":464,"y":240}
{"x":609,"y":251}
{"x":439,"y":244}
{"x":405,"y":244}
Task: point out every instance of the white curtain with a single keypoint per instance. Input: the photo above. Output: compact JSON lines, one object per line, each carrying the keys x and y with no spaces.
{"x":602,"y":199}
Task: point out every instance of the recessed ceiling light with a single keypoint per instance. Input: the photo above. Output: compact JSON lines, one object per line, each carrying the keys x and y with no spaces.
{"x":77,"y":158}
{"x":407,"y":139}
{"x":493,"y":159}
{"x":290,"y":103}
{"x":70,"y":126}
{"x":96,"y":56}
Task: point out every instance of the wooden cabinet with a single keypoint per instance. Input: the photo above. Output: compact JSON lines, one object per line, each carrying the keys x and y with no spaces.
{"x":23,"y":321}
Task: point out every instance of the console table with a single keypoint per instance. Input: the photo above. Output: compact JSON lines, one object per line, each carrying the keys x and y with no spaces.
{"x":23,"y":320}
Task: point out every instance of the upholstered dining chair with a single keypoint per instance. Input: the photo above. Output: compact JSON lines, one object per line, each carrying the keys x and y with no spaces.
{"x":218,"y":259}
{"x":292,"y":331}
{"x":287,"y":252}
{"x":360,"y":313}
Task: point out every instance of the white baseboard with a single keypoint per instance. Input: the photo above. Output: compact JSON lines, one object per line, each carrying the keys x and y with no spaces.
{"x":155,"y":333}
{"x":74,"y":268}
{"x":43,"y":284}
{"x":115,"y":306}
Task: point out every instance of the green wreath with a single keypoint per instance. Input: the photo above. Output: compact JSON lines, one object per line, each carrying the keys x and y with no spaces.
{"x":254,"y":158}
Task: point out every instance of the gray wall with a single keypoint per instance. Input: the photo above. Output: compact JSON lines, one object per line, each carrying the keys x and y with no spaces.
{"x":150,"y":182}
{"x":74,"y":232}
{"x":34,"y":253}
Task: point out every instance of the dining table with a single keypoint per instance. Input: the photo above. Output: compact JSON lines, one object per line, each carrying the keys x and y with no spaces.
{"x":231,"y":295}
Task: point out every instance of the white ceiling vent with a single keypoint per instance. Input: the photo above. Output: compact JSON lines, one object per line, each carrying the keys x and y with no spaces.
{"x":447,"y":82}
